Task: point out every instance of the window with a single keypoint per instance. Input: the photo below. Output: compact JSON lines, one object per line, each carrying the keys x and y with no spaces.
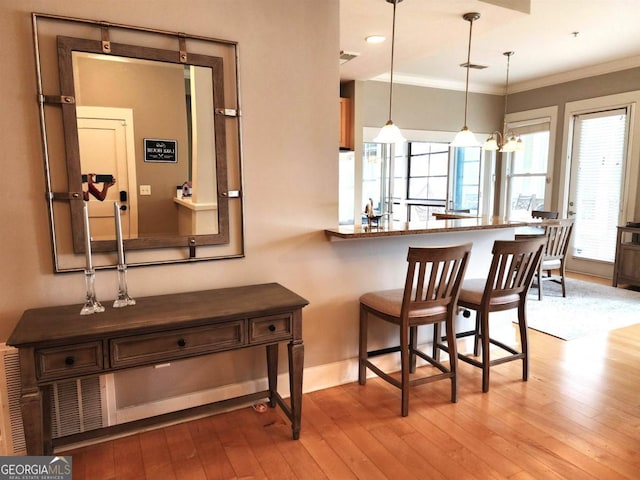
{"x":528,"y":176}
{"x":427,"y":177}
{"x":428,"y":171}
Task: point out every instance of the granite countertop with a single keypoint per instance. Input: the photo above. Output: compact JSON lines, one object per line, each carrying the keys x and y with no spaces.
{"x":426,"y":227}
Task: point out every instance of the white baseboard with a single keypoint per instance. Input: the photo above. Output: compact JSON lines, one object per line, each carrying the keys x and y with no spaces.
{"x":315,"y":378}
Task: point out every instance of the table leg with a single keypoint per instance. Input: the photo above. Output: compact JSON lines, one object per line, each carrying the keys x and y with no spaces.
{"x":296,"y":366}
{"x":31,"y":402}
{"x":31,"y":406}
{"x":272,"y":373}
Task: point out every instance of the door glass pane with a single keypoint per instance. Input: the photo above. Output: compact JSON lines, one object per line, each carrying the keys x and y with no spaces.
{"x":597,"y":166}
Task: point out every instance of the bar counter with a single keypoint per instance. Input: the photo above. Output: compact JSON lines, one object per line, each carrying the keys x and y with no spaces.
{"x":394,"y":229}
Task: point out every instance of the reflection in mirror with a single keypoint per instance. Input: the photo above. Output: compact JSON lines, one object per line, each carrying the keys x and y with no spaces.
{"x":158,"y":103}
{"x":147,"y":125}
{"x":149,"y":119}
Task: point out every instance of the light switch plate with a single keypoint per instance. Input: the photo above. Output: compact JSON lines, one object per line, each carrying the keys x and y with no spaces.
{"x":145,"y":189}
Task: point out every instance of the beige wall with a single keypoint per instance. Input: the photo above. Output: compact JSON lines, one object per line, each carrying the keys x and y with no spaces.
{"x":289,"y":88}
{"x":420,"y":108}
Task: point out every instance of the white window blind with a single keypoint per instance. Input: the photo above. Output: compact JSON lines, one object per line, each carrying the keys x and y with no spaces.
{"x":599,"y":149}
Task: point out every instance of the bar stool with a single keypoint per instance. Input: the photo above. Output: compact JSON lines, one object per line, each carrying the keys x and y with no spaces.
{"x":430,"y":294}
{"x":555,"y":254}
{"x":513,"y":266}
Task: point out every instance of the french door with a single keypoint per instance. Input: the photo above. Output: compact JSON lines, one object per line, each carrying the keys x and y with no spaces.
{"x":598,"y":155}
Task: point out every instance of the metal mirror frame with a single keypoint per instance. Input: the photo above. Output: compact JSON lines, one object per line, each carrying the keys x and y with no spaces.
{"x":188,"y":247}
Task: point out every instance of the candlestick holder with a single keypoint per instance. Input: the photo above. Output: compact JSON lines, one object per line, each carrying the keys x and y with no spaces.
{"x":91,"y":304}
{"x":123,"y":299}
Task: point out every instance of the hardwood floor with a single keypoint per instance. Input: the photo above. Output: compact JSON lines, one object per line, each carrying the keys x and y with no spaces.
{"x":578,"y":417}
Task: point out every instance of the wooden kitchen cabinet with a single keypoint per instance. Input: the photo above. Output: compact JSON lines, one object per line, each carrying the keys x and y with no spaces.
{"x":346,"y":124}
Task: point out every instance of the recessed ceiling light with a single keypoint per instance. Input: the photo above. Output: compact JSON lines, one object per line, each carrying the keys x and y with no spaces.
{"x":375,"y":39}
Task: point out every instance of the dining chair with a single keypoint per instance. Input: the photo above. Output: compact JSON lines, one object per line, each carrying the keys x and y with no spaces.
{"x":557,"y":237}
{"x":513,"y":265}
{"x":544,"y":214}
{"x":430,"y":295}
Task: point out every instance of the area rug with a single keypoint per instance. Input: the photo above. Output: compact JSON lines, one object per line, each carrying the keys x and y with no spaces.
{"x":588,"y":308}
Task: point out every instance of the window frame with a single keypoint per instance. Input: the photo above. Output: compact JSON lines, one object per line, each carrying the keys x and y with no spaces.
{"x":518,"y":119}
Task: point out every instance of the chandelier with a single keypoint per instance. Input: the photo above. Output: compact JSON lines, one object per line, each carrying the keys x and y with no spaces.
{"x":505,"y":141}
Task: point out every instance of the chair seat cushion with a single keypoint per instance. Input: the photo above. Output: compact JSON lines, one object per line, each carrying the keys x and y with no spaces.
{"x":389,"y":302}
{"x":473,"y":289}
{"x":551,"y":264}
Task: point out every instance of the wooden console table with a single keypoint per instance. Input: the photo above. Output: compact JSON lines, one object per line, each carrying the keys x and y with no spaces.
{"x":57,"y":343}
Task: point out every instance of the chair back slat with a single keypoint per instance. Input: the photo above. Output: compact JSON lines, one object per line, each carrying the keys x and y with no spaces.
{"x":513,"y":266}
{"x":434,"y":276}
{"x":558,"y":236}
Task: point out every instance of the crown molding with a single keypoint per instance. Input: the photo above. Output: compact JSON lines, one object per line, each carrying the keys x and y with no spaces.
{"x":577,"y":74}
{"x":516,"y":87}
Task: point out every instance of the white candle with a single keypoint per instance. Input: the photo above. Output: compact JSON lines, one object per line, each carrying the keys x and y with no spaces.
{"x":87,"y":236}
{"x":119,"y":242}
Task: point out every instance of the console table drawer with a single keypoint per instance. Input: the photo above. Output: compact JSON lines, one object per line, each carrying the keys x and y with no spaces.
{"x":272,"y":328}
{"x":159,"y":347}
{"x":69,"y":361}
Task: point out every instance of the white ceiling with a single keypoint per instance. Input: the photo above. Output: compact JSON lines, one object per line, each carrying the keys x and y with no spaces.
{"x":432,"y":40}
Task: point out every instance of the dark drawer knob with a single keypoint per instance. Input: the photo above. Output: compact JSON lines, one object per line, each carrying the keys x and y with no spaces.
{"x":272,"y":328}
{"x":69,"y":360}
{"x":182,"y":342}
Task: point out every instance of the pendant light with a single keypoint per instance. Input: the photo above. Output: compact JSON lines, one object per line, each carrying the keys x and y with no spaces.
{"x":504,"y":141}
{"x":390,"y":133}
{"x":465,"y":137}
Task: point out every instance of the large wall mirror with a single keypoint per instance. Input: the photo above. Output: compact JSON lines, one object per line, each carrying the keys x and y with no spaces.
{"x":148,"y":124}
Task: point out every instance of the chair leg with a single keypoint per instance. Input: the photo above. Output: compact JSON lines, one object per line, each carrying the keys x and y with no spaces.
{"x":404,"y":368}
{"x":484,"y":335}
{"x":539,"y":276}
{"x":476,"y":337}
{"x":362,"y":353}
{"x":562,"y":282}
{"x":413,"y":339}
{"x":524,"y":341}
{"x":435,"y":353}
{"x":453,"y":358}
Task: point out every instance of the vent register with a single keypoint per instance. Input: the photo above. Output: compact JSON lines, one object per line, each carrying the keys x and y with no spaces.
{"x":76,"y":405}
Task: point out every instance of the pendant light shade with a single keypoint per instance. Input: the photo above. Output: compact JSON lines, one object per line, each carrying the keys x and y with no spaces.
{"x":505,"y":141}
{"x":465,"y":137}
{"x":390,"y":133}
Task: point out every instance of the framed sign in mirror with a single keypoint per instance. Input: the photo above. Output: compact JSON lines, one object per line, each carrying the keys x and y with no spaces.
{"x":154,"y":115}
